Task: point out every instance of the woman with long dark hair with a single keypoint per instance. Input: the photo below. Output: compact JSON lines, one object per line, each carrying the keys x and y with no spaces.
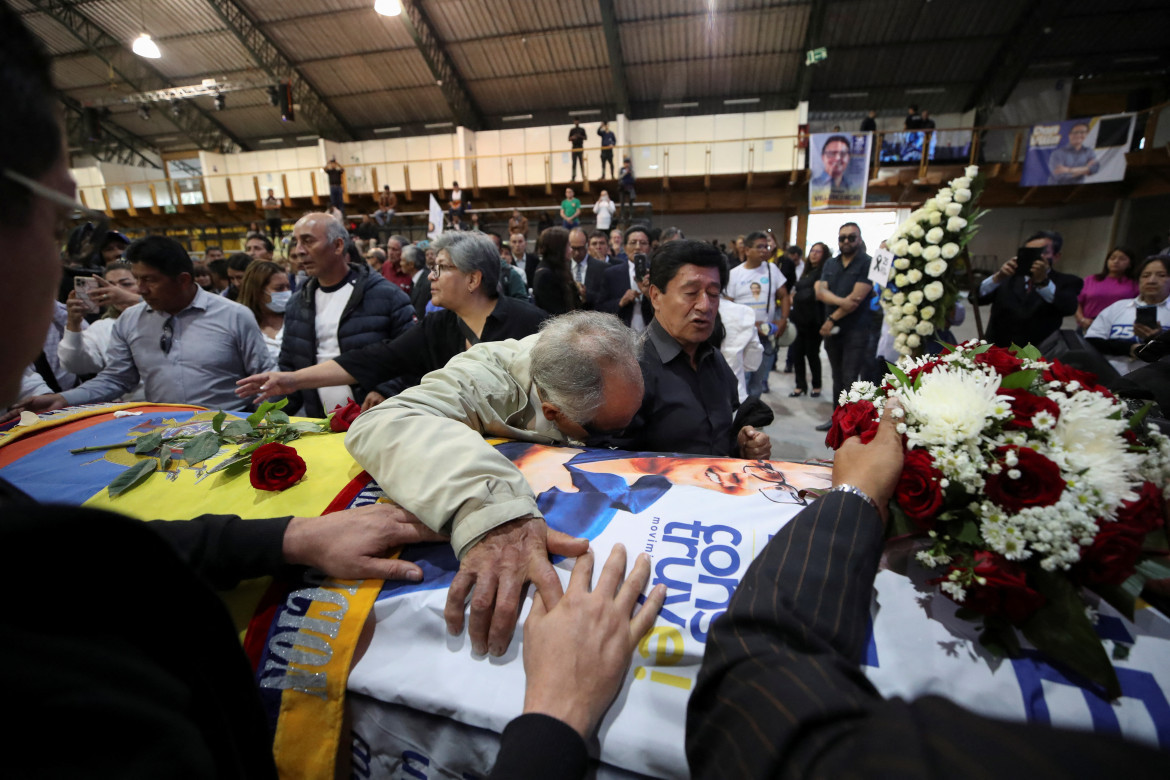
{"x":807,"y":315}
{"x":265,"y":291}
{"x":552,"y":286}
{"x":1117,"y":281}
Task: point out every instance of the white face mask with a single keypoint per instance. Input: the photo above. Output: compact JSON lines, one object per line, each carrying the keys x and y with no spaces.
{"x":278,"y":301}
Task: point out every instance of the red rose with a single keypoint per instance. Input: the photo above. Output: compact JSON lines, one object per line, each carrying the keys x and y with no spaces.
{"x":1025,"y":405}
{"x":1111,"y":558}
{"x":275,"y":467}
{"x":1039,"y":484}
{"x":1059,"y":372}
{"x":918,"y":492}
{"x":855,"y":419}
{"x":914,"y":373}
{"x":1146,"y":512}
{"x":1005,"y":591}
{"x":343,"y":416}
{"x":1002,"y":360}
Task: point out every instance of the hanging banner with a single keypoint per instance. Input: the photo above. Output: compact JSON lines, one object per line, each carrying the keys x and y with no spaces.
{"x":839,"y":163}
{"x":1078,"y":151}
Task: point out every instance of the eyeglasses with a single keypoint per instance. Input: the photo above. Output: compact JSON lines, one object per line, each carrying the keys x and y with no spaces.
{"x":780,"y":491}
{"x":167,"y":340}
{"x":72,"y":209}
{"x":849,"y":237}
{"x":436,"y":269}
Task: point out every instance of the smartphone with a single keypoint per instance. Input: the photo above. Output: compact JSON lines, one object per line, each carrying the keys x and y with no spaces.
{"x":83,"y":285}
{"x":1147,"y":316}
{"x":641,"y":266}
{"x":1025,"y":257}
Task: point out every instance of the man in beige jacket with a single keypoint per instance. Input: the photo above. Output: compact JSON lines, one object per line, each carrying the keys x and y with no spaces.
{"x":577,"y":378}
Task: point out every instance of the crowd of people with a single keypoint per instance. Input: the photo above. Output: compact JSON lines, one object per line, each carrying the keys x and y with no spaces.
{"x":633,"y":357}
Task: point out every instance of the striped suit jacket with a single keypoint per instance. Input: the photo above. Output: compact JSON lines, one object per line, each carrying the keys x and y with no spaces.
{"x":781,"y":692}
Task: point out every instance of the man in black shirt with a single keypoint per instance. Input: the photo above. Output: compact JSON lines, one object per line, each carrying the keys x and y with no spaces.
{"x":844,"y":288}
{"x":577,"y":139}
{"x":691,"y":394}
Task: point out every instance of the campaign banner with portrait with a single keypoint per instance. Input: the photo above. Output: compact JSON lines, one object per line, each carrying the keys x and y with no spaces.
{"x":839,"y":163}
{"x":1078,"y":151}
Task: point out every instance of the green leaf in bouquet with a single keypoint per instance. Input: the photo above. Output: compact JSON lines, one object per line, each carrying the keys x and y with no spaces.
{"x":1019,"y":380}
{"x":164,"y":458}
{"x":132,"y":476}
{"x":1062,"y":631}
{"x":899,"y":524}
{"x":1140,"y":416}
{"x":1119,"y":597}
{"x":151,"y":441}
{"x":201,"y":448}
{"x":238,"y":428}
{"x":276,"y":417}
{"x":999,"y":637}
{"x":217,"y":421}
{"x":968,"y":532}
{"x":255,"y":417}
{"x":981,"y":349}
{"x":900,"y":374}
{"x":305,"y":426}
{"x":1029,"y":352}
{"x":1154,"y":568}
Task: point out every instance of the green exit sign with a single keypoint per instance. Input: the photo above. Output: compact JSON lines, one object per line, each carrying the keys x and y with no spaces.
{"x":816,"y":55}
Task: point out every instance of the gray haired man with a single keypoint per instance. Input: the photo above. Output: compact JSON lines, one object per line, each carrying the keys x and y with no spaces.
{"x":578,"y":377}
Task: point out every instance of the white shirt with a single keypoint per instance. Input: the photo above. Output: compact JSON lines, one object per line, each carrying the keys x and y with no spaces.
{"x":741,"y":348}
{"x":579,"y":269}
{"x":273,"y":342}
{"x":85,"y":353}
{"x":763,"y":302}
{"x":1116,"y":322}
{"x":330,"y":305}
{"x":603,"y":210}
{"x":637,"y":322}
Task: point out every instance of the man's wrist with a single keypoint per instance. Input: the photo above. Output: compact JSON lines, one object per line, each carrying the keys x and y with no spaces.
{"x":845,"y":487}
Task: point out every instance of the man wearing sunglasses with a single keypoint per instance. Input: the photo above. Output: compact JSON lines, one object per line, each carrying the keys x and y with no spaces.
{"x":844,"y":290}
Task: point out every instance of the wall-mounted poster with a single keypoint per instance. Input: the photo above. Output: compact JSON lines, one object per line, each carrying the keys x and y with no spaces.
{"x":840,"y":170}
{"x":1078,"y":151}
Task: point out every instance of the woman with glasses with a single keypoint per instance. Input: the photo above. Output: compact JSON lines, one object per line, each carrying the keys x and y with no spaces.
{"x":84,"y":351}
{"x":265,"y":291}
{"x":464,"y":278}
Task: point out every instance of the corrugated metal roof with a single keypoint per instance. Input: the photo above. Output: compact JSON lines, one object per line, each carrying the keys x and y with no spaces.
{"x":268,"y":11}
{"x":259,"y":122}
{"x":591,"y":89}
{"x":457,"y":20}
{"x":746,"y":75}
{"x":367,"y":74}
{"x":334,"y":36}
{"x":634,"y":10}
{"x":124,"y":19}
{"x":69,"y":73}
{"x":203,"y":55}
{"x":562,"y":51}
{"x":752,"y":32}
{"x":425,"y":104}
{"x":57,"y":39}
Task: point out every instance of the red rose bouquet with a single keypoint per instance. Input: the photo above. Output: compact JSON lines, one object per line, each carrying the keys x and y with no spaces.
{"x":275,"y":466}
{"x":1026,"y":482}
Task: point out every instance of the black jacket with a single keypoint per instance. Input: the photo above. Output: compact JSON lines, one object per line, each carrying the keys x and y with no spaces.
{"x":376,"y":310}
{"x":1022,"y":317}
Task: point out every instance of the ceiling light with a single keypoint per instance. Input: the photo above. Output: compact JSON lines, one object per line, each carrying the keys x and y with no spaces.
{"x":388,"y":7}
{"x":585,"y":112}
{"x":843,"y":95}
{"x":517,"y":117}
{"x":270,"y":141}
{"x":381,"y":130}
{"x":435,"y":125}
{"x":740,"y":101}
{"x":680,"y":105}
{"x":145,"y":47}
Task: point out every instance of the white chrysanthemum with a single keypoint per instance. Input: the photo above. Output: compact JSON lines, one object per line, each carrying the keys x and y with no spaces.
{"x":949,"y":250}
{"x":915,"y":249}
{"x":961,"y":183}
{"x":955,"y":224}
{"x":926,"y":312}
{"x":914,"y":275}
{"x":914,"y":297}
{"x":900,"y":280}
{"x":962,"y":196}
{"x":899,"y":298}
{"x":935,"y":235}
{"x":924,"y":328}
{"x":932,"y":252}
{"x":971,"y":171}
{"x":1087,"y":439}
{"x":951,"y":407}
{"x":935,"y":218}
{"x":936,"y":268}
{"x":901,"y":264}
{"x":934,"y":291}
{"x":953,"y":209}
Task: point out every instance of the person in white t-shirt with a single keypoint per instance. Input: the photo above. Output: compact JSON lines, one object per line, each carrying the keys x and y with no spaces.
{"x":83,"y":350}
{"x":768,"y":299}
{"x":1117,"y":332}
{"x":603,"y":210}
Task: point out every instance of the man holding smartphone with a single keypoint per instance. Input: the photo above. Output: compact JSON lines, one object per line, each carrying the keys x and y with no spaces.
{"x":1029,"y":299}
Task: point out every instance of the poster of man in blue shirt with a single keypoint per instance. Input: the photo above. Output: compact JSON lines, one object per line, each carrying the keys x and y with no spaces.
{"x":1077,"y":151}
